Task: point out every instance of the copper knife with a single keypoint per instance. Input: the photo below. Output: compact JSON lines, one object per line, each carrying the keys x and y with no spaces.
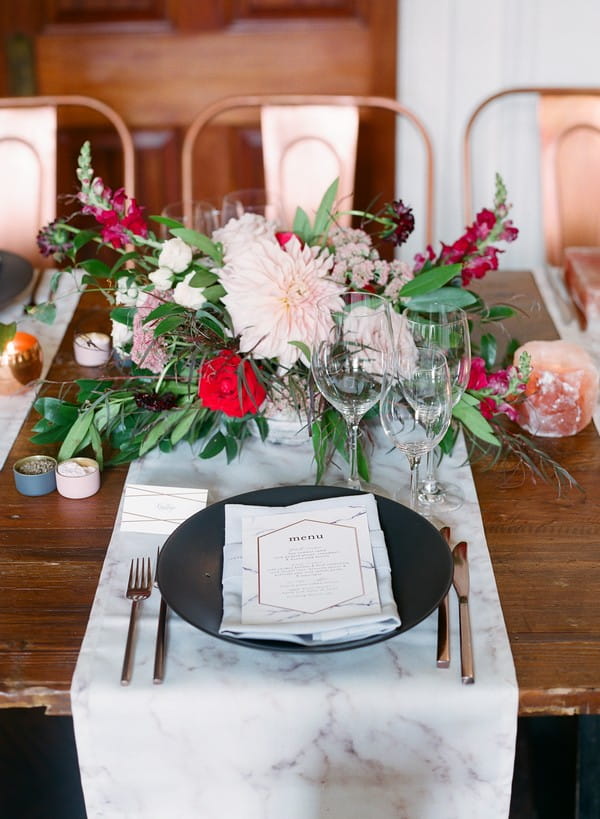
{"x":159,"y":652}
{"x":443,"y":628}
{"x":461,"y":584}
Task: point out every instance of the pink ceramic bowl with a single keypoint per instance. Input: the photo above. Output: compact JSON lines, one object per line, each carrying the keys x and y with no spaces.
{"x":78,"y":477}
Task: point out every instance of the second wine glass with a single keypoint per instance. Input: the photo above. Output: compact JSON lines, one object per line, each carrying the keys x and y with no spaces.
{"x":445,"y":329}
{"x":350,"y":364}
{"x":416,"y":406}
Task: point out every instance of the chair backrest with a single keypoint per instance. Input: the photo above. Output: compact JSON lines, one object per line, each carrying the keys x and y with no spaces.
{"x":28,"y":130}
{"x":285,"y":149}
{"x":305,"y":147}
{"x":569,"y":142}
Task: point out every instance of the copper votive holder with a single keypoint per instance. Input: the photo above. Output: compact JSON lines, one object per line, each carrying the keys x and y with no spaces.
{"x":20,"y":363}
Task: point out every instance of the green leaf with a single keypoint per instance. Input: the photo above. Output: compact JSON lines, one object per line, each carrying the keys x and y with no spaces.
{"x":214,"y":293}
{"x":7,"y":332}
{"x":304,"y":348}
{"x":76,"y":435}
{"x":82,"y":238}
{"x":451,"y":296}
{"x":430,"y":280}
{"x":56,"y":411}
{"x":489,"y":349}
{"x":477,"y":424}
{"x":499,"y":312}
{"x":160,"y":429}
{"x":214,"y":446}
{"x":203,"y":278}
{"x":184,"y":425}
{"x":46,"y":313}
{"x":168,"y":324}
{"x":199,"y":240}
{"x":95,"y":267}
{"x":231,"y":448}
{"x":263,"y":426}
{"x":96,"y":443}
{"x":301,"y":226}
{"x":124,"y":315}
{"x":324,"y":212}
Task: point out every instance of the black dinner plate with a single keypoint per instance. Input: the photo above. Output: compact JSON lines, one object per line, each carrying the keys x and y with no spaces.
{"x":191,"y":564}
{"x":15,"y":274}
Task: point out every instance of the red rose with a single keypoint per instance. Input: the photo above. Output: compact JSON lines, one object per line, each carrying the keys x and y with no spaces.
{"x":228,"y":387}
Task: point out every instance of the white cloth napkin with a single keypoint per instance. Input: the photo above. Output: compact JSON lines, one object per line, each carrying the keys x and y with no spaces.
{"x":14,"y":408}
{"x":339,"y":630}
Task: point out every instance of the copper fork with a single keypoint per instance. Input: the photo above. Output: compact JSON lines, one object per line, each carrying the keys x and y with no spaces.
{"x":139,"y":587}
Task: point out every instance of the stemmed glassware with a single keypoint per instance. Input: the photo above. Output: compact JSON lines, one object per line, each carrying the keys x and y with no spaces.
{"x":445,"y":329}
{"x":350,"y":364}
{"x":416,"y":407}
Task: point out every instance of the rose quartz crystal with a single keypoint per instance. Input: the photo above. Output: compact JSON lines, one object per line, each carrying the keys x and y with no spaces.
{"x":582,"y":278}
{"x":562,"y":392}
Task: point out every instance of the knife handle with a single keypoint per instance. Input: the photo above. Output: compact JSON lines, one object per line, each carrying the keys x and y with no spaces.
{"x":466,"y":646}
{"x":159,"y":653}
{"x":443,"y":634}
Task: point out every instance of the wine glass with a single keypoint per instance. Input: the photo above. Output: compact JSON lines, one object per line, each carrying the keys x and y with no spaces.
{"x":446,"y":329}
{"x":416,"y":407}
{"x":350,"y":363}
{"x":250,"y":200}
{"x":198,"y":214}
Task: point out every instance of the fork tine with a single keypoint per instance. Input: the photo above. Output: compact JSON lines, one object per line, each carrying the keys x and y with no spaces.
{"x":130,"y":581}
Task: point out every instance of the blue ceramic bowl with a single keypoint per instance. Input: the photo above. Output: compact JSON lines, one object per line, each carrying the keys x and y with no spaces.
{"x":35,"y":475}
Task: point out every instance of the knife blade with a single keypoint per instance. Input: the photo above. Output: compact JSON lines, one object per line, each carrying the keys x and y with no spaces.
{"x":159,"y":651}
{"x":443,"y":626}
{"x":461,"y":584}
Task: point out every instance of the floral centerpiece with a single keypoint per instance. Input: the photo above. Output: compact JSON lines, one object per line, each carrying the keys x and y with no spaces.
{"x":213,"y":332}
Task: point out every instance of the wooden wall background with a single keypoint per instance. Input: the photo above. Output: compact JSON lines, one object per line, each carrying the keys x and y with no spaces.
{"x":158,"y":62}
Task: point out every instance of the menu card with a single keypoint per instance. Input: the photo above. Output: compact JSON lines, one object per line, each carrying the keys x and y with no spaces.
{"x":308,"y":567}
{"x":312,"y":590}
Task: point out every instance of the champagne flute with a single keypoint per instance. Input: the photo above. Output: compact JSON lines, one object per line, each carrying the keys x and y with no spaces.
{"x":350,"y":363}
{"x":446,"y":329}
{"x":416,"y":407}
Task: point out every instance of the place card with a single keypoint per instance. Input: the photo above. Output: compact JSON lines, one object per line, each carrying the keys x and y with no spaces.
{"x":308,"y":567}
{"x":159,"y":509}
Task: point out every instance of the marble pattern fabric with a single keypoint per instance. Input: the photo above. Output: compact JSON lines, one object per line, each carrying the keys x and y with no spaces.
{"x":14,"y":408}
{"x":255,"y":734}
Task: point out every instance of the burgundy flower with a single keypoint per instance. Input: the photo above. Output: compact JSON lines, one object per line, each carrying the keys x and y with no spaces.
{"x":54,"y":240}
{"x":478,"y":378}
{"x":404,"y":222}
{"x":154,"y":402}
{"x":422,"y":258}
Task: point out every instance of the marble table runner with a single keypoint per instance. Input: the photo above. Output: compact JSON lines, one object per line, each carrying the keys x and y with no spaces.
{"x":237,"y":732}
{"x":14,"y":408}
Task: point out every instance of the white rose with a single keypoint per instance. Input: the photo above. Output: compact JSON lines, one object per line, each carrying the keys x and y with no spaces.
{"x":121,"y":335}
{"x":161,"y":278}
{"x":126,"y":293}
{"x":175,"y":255}
{"x":188,"y":296}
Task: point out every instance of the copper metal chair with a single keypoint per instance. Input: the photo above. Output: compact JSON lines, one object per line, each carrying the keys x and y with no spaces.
{"x":569,"y":139}
{"x":28,"y":127}
{"x":299,"y":161}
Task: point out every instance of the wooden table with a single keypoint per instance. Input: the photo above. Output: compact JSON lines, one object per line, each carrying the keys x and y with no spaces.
{"x":545,"y":550}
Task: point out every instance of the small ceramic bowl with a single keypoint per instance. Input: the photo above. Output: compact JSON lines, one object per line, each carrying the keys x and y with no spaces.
{"x":78,"y":477}
{"x":35,"y":475}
